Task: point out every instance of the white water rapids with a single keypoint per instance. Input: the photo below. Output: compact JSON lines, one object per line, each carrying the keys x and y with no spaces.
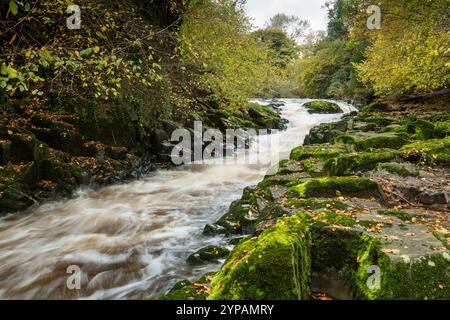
{"x":131,"y":240}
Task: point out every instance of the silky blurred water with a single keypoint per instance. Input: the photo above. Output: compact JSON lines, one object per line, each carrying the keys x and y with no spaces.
{"x":132,"y":240}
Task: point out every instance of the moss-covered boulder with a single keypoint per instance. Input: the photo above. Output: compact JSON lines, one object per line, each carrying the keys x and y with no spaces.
{"x":435,"y":151}
{"x":60,"y":136}
{"x":401,"y":169}
{"x":332,"y":186}
{"x":402,"y":276}
{"x":422,"y":129}
{"x":322,"y":107}
{"x":25,"y":147}
{"x":326,"y":133}
{"x":244,"y":214}
{"x":264,"y":117}
{"x":339,"y":254}
{"x":316,"y":204}
{"x":353,"y":163}
{"x":321,"y":151}
{"x":274,"y":266}
{"x":370,"y":140}
{"x":375,"y":107}
{"x":13,"y":197}
{"x":207,"y":255}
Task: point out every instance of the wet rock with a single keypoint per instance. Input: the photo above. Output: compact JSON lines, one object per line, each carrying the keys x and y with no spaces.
{"x":322,"y":107}
{"x":373,"y":140}
{"x":116,"y":153}
{"x":410,"y":192}
{"x":214,"y":229}
{"x":58,"y":135}
{"x":434,"y":197}
{"x":5,"y":151}
{"x":14,"y":198}
{"x":320,"y":135}
{"x":186,"y":290}
{"x":22,"y":147}
{"x":236,"y":241}
{"x":208,"y":255}
{"x":401,"y":169}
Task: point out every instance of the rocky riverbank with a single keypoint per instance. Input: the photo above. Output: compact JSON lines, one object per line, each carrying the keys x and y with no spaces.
{"x":49,"y":155}
{"x":361,"y":211}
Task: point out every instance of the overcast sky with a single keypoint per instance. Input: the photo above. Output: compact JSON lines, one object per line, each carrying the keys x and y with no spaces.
{"x":312,"y":10}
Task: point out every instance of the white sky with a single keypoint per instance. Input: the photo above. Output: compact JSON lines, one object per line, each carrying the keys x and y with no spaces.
{"x":311,"y":10}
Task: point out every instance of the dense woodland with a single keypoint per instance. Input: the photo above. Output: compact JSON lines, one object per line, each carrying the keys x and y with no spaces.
{"x":163,"y":56}
{"x":97,"y":105}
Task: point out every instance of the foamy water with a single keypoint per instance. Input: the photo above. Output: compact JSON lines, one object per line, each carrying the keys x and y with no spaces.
{"x":132,"y":240}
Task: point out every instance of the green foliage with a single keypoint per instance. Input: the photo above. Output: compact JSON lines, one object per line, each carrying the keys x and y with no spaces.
{"x":410,"y":54}
{"x":41,"y":61}
{"x":230,"y":62}
{"x":328,"y":71}
{"x":283,"y":49}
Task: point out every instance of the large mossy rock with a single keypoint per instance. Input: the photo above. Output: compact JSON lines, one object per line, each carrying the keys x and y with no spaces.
{"x":60,"y":136}
{"x":274,"y":266}
{"x":411,"y":269}
{"x":320,"y":151}
{"x":25,"y":147}
{"x":349,"y":164}
{"x":338,"y":254}
{"x":435,"y":151}
{"x":333,"y":186}
{"x":324,"y":107}
{"x":370,"y":140}
{"x":244,"y":214}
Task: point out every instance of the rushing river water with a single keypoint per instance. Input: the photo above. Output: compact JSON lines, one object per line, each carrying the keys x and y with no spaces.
{"x":132,"y":240}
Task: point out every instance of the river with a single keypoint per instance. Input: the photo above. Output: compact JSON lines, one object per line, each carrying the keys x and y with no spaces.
{"x":132,"y":240}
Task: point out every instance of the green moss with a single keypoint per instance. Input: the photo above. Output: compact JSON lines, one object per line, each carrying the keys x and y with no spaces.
{"x":274,"y":266}
{"x":425,"y":278}
{"x":321,"y":152}
{"x":315,"y":204}
{"x":425,"y":130}
{"x":328,"y":187}
{"x":244,"y":214}
{"x":404,"y":216}
{"x":349,"y":164}
{"x":398,"y":168}
{"x":186,"y":290}
{"x":376,"y":106}
{"x":365,"y":141}
{"x":378,"y":121}
{"x":334,"y":251}
{"x":322,"y":107}
{"x":208,"y":255}
{"x":436,"y":151}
